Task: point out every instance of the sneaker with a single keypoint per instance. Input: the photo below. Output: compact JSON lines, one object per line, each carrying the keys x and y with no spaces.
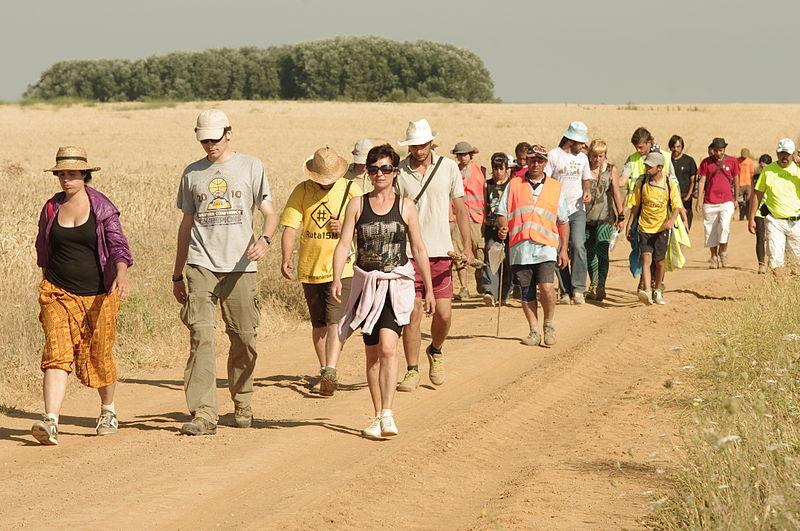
{"x":373,"y":431}
{"x":107,"y":423}
{"x":578,"y":298}
{"x":328,"y":382}
{"x":533,"y":339}
{"x":549,"y":335}
{"x":436,"y":362}
{"x":410,"y":381}
{"x":658,"y":296}
{"x":646,"y":296}
{"x":199,"y":426}
{"x":564,"y":299}
{"x":315,"y":384}
{"x":388,"y":426}
{"x":723,"y":259}
{"x":45,"y":431}
{"x":488,"y":299}
{"x":462,"y":295}
{"x":590,"y":293}
{"x":600,"y":293}
{"x":762,"y":269}
{"x":243,"y":416}
{"x":713,"y":263}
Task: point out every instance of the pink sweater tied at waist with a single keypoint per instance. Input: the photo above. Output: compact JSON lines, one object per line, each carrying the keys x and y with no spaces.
{"x":368,"y":294}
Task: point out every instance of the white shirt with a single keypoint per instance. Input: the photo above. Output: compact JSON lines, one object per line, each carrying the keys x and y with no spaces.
{"x":570,"y":170}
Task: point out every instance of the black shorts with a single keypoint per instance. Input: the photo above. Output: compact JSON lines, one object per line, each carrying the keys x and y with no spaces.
{"x":529,"y":276}
{"x":387,"y":319}
{"x":656,"y":244}
{"x":323,"y":309}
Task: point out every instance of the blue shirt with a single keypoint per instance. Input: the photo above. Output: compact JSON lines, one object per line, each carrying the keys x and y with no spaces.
{"x":528,"y":252}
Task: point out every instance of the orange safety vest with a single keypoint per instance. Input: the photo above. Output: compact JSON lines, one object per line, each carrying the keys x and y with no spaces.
{"x":532,"y":219}
{"x":474,"y":198}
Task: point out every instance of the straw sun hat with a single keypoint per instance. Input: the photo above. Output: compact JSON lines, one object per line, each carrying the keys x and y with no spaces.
{"x":72,"y":158}
{"x":325,"y":167}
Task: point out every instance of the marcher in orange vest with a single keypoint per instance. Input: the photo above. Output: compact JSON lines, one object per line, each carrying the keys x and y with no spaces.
{"x":474,"y":177}
{"x":534,"y":215}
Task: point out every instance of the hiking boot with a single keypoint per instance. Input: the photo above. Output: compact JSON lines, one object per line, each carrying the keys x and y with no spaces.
{"x":564,"y":299}
{"x":646,"y":296}
{"x":462,"y":295}
{"x":243,"y":416}
{"x":578,"y":298}
{"x":388,"y":426}
{"x":658,"y":296}
{"x":199,"y":426}
{"x":315,"y":384}
{"x":107,"y":423}
{"x":723,"y":259}
{"x":488,"y":299}
{"x":45,"y":431}
{"x":533,"y":339}
{"x":373,"y":431}
{"x":600,"y":293}
{"x":549,"y":335}
{"x":328,"y":382}
{"x":410,"y":381}
{"x":436,"y":362}
{"x":762,"y":269}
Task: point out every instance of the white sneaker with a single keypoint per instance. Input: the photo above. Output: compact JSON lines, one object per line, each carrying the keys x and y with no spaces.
{"x":107,"y":423}
{"x":658,"y":296}
{"x":373,"y":431}
{"x":723,"y":259}
{"x":388,"y":427}
{"x":578,"y":298}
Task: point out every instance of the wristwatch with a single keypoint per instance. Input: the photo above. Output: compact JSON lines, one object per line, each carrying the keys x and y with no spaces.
{"x":177,"y":278}
{"x":620,"y":217}
{"x":267,"y":239}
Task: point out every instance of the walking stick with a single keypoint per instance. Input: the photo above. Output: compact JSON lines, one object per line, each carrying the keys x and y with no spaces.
{"x":500,"y":297}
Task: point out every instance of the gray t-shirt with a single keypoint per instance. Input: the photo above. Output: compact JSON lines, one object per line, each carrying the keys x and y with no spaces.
{"x":222,"y":197}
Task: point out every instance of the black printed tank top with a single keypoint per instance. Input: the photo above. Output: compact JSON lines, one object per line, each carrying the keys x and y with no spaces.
{"x":381,"y":240}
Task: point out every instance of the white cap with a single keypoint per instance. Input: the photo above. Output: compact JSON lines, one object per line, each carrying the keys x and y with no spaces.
{"x":211,"y":125}
{"x":785,"y":145}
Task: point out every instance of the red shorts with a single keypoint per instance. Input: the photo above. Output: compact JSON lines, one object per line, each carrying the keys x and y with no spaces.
{"x":441,"y":276}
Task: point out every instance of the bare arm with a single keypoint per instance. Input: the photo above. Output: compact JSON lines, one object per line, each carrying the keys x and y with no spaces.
{"x":258,"y":249}
{"x":463,"y":227}
{"x":343,"y":247}
{"x":563,"y":244}
{"x":619,"y":207}
{"x":701,"y":188}
{"x":181,"y":253}
{"x":419,"y":252}
{"x":755,"y":202}
{"x":287,"y":248}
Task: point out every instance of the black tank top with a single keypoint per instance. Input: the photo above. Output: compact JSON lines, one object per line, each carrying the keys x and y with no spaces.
{"x":381,"y":240}
{"x":74,"y":264}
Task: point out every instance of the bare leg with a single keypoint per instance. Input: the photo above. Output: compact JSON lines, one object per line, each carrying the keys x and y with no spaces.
{"x":373,"y":375}
{"x":714,"y":250}
{"x":387,"y":349}
{"x":318,"y":337}
{"x":547,"y":296}
{"x":647,"y":258}
{"x":54,"y":387}
{"x":723,"y":248}
{"x":659,"y":272}
{"x":412,"y":334}
{"x":440,"y":326}
{"x":530,"y":309}
{"x":107,"y":394}
{"x":333,"y":347}
{"x":462,"y":277}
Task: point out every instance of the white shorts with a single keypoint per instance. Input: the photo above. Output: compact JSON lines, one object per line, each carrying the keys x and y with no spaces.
{"x":717,"y":222}
{"x":779,"y":233}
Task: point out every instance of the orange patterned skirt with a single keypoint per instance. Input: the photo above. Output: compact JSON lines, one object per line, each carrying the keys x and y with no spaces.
{"x":80,"y":330}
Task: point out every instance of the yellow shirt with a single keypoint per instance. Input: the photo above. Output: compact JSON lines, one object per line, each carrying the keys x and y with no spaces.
{"x":653,"y":200}
{"x":310,"y":209}
{"x":781,"y":187}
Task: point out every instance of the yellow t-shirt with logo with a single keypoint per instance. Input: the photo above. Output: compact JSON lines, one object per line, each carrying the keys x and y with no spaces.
{"x":309,"y":210}
{"x":653,"y":200}
{"x":781,"y":187}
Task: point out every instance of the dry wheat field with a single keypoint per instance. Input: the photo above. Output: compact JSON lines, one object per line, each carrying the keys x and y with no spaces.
{"x":142,"y":149}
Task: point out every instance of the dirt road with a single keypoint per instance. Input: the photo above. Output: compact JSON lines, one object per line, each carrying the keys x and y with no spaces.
{"x":576,"y":436}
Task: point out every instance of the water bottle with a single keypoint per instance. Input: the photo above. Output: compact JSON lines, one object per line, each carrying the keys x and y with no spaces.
{"x":613,"y":240}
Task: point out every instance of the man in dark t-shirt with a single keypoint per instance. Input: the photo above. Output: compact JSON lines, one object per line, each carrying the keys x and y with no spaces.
{"x":685,"y":171}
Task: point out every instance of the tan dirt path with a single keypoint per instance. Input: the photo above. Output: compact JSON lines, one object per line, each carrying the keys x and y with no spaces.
{"x":569,"y":437}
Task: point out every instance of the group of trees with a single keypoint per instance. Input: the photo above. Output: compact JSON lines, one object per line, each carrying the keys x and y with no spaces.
{"x":343,"y":68}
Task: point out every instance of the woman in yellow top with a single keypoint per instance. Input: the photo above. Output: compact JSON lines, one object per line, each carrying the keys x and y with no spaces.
{"x":653,"y":197}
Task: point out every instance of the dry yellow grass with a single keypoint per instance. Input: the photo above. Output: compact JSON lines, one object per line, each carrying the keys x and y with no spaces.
{"x":142,"y":151}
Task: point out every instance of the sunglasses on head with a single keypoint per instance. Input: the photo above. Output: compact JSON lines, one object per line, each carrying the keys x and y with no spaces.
{"x":213,"y":140}
{"x":499,"y":161}
{"x":385,"y":169}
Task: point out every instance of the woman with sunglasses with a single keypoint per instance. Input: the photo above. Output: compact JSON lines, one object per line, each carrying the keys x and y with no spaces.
{"x":382,"y":293}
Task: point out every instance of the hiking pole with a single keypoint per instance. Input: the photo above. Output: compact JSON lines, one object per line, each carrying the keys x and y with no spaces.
{"x":499,"y":297}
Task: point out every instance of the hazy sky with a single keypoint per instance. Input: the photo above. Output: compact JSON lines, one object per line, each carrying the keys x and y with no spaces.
{"x":612,"y":51}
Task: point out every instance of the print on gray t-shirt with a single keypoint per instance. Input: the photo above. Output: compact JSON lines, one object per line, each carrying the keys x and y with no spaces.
{"x":221,"y":197}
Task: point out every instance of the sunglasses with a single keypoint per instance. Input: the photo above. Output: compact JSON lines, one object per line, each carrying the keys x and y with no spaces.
{"x":385,"y":169}
{"x":212,"y":140}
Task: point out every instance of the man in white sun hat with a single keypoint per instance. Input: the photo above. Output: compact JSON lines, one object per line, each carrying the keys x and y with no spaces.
{"x":778,"y":186}
{"x":217,"y":251}
{"x":357,"y":171}
{"x":569,"y":165}
{"x":432,"y":182}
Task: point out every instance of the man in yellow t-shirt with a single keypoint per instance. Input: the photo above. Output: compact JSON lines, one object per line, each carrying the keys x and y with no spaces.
{"x":779,"y":187}
{"x":652,"y":198}
{"x":315,"y":207}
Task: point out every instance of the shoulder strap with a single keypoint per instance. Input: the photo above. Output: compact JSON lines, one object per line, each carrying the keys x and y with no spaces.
{"x":344,"y":198}
{"x":430,"y":178}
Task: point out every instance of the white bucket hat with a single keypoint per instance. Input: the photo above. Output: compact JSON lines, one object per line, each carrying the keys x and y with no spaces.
{"x":578,"y":132}
{"x":361,"y":149}
{"x":785,"y":145}
{"x":418,"y":133}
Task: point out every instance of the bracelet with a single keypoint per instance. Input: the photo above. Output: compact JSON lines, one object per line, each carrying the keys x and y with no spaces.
{"x":178,"y":278}
{"x":267,"y":239}
{"x":620,"y":217}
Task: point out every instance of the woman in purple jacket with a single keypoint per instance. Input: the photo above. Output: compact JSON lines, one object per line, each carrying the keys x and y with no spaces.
{"x":84,"y":257}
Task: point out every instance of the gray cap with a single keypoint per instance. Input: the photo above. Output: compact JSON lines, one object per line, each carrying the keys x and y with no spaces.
{"x":654,"y":159}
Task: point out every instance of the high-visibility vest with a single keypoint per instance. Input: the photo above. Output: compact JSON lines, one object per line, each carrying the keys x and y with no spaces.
{"x":532,"y":219}
{"x":474,"y":194}
{"x":638,"y":169}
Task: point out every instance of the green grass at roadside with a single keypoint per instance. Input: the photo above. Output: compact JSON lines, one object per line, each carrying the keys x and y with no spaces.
{"x":741,"y":468}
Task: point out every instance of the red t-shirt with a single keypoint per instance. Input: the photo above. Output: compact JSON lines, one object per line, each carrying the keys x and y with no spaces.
{"x":719,"y":182}
{"x":519,"y":172}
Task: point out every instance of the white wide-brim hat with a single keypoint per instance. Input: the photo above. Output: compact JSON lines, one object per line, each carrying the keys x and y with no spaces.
{"x":418,"y":133}
{"x":578,"y":132}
